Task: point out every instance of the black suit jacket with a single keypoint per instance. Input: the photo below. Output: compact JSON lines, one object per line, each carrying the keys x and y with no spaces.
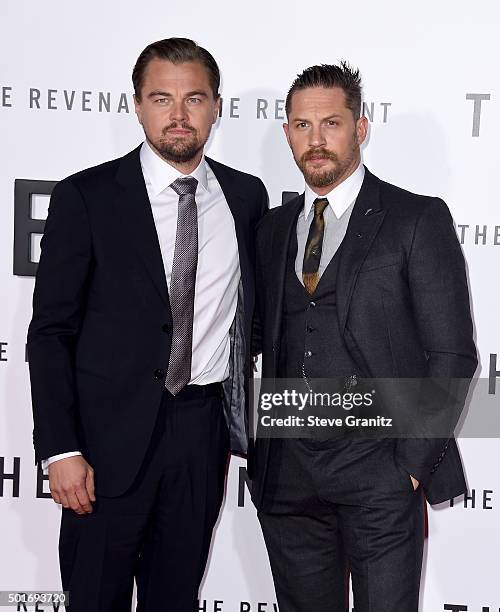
{"x":99,"y":340}
{"x":403,"y":309}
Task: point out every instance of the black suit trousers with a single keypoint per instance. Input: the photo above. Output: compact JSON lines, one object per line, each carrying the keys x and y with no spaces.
{"x":159,"y":531}
{"x":338,"y":507}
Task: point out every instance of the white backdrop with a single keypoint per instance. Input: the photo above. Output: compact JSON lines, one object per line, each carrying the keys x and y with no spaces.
{"x":431,"y":88}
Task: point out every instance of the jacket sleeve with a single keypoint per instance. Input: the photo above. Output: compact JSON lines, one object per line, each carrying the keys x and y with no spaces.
{"x":58,"y":304}
{"x":256,"y":347}
{"x":440,"y":301}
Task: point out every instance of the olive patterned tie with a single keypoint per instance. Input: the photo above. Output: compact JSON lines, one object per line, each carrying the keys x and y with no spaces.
{"x":182,"y":285}
{"x":314,"y":245}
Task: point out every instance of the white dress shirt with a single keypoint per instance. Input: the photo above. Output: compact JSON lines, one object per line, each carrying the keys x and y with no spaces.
{"x":336,"y":215}
{"x":218,"y":271}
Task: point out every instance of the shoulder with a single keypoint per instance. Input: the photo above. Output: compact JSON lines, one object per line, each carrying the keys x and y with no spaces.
{"x":405,"y":206}
{"x":277,"y":215}
{"x":92,"y":177}
{"x":283,"y":211}
{"x":98,"y":183}
{"x":243,"y":178}
{"x":78,"y":189}
{"x":408,"y":203}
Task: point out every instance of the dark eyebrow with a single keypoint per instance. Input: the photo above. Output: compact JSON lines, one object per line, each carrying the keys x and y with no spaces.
{"x":196,"y":93}
{"x":165,"y":94}
{"x":156,"y":92}
{"x":334,"y":116}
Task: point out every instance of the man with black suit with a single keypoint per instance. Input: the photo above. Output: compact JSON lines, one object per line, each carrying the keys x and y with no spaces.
{"x":356,"y":278}
{"x":139,"y":346}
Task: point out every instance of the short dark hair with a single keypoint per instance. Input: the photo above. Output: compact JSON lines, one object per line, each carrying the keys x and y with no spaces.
{"x":177,"y":51}
{"x":329,"y":75}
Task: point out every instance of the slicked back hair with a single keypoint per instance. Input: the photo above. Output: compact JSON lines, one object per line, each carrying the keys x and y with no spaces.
{"x":177,"y":51}
{"x":342,"y":75}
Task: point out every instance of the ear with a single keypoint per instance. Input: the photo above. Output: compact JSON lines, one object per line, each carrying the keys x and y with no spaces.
{"x":361,"y":129}
{"x":286,"y":129}
{"x":138,"y":110}
{"x":217,"y":108}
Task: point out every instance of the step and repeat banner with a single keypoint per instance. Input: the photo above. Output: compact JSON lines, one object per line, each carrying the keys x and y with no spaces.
{"x":432,"y":98}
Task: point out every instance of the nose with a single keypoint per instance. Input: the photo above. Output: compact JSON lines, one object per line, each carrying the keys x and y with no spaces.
{"x":178,"y":111}
{"x":317,"y":138}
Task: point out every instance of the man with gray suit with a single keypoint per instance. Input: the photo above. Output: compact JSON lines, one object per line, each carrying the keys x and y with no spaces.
{"x":356,"y":278}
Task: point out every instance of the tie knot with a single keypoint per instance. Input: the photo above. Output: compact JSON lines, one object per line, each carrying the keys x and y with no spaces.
{"x":319,"y":205}
{"x":184,"y":186}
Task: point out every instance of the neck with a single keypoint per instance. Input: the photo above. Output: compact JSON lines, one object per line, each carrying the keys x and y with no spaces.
{"x":322,"y":191}
{"x":184,"y":167}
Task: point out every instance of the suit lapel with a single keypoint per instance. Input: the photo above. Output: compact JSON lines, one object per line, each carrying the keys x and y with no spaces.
{"x":366,"y":219}
{"x":284,"y":222}
{"x":133,"y":213}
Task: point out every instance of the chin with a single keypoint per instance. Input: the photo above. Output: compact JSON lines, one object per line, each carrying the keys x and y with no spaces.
{"x":323,"y":179}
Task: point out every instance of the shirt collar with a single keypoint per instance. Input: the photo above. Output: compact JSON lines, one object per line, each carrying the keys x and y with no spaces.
{"x":340,"y":197}
{"x":161,"y":174}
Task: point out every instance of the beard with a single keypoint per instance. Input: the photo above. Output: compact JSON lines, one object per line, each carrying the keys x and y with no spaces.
{"x":179,"y":150}
{"x":320,"y":177}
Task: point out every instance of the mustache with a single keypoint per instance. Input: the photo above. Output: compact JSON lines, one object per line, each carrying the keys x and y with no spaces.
{"x":320,"y":152}
{"x":175,"y":125}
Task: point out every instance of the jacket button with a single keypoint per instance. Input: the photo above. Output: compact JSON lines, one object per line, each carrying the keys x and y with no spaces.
{"x":312,"y":304}
{"x":308,"y":353}
{"x":159,"y":374}
{"x":166,"y":328}
{"x":310,"y":329}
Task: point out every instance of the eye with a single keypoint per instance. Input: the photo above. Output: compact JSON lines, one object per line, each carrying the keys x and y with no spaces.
{"x":332,"y":122}
{"x":194,"y":100}
{"x":161,"y":100}
{"x":302,"y":124}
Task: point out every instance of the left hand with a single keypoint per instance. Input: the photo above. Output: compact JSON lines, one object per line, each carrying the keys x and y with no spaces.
{"x":414,"y":482}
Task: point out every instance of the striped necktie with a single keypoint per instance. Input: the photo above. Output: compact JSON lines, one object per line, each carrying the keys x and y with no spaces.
{"x":314,"y":245}
{"x":182,"y":285}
